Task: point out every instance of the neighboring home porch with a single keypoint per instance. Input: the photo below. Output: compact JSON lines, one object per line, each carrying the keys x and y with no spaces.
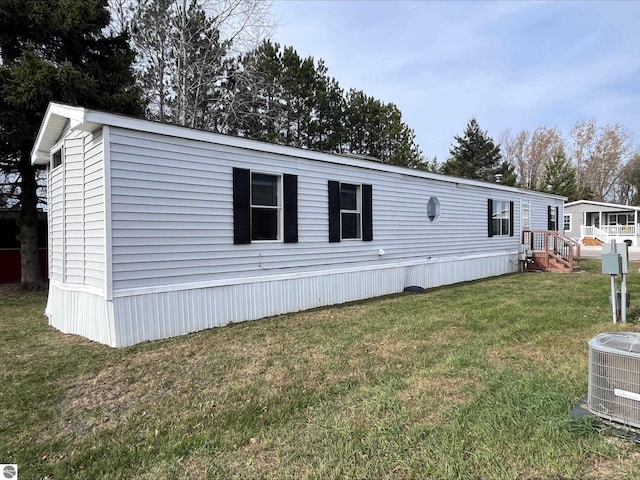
{"x":595,"y":223}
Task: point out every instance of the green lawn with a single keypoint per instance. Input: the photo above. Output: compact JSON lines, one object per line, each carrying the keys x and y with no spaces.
{"x":473,"y":381}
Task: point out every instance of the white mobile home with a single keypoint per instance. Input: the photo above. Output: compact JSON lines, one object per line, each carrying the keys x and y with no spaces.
{"x":157,"y":230}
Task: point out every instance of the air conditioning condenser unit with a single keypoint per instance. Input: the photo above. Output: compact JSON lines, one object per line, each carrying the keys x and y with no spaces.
{"x":614,"y":377}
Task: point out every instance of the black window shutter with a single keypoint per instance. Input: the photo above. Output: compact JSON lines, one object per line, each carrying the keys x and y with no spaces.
{"x":290,"y":207}
{"x":549,"y":223}
{"x":490,"y":217}
{"x":241,"y":206}
{"x":367,"y":213}
{"x":511,"y":219}
{"x":334,"y":211}
{"x":558,"y":218}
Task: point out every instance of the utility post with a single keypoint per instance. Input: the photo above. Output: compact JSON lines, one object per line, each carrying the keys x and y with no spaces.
{"x":615,"y":261}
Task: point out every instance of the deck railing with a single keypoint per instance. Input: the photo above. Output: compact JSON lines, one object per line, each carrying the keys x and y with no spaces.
{"x":606,"y":232}
{"x":550,"y":244}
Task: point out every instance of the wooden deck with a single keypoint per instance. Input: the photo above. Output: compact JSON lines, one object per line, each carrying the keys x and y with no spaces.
{"x":551,"y":251}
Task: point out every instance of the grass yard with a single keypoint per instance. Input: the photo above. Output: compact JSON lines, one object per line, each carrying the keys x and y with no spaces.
{"x":473,"y":381}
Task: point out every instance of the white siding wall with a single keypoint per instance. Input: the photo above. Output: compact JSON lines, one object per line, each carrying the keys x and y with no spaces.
{"x":55,"y":218}
{"x":74,"y":211}
{"x":76,"y":302}
{"x":94,"y":211}
{"x":77,"y":213}
{"x":172,"y":215}
{"x":174,"y":265}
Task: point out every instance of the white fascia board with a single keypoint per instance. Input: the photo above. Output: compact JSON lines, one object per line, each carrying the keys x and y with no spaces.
{"x":611,"y":206}
{"x":53,"y":124}
{"x":535,"y":193}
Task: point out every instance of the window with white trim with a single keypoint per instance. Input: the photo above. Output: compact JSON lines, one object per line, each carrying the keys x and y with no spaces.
{"x":500,"y":218}
{"x":56,"y":158}
{"x":621,"y":218}
{"x":266,"y":223}
{"x":552,"y":218}
{"x":433,"y":209}
{"x":350,"y":211}
{"x":525,"y":214}
{"x":265,"y":207}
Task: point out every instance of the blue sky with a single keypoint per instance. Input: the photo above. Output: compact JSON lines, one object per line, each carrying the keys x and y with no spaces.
{"x":510,"y":64}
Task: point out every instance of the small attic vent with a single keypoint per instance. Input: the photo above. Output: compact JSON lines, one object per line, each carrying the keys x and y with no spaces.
{"x":614,"y":377}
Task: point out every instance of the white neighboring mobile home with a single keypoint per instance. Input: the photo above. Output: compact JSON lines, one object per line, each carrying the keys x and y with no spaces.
{"x":157,"y":230}
{"x":595,"y":223}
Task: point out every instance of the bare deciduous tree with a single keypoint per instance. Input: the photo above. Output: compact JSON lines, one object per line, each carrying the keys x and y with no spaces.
{"x":530,"y":152}
{"x":185,"y":51}
{"x":628,"y":189}
{"x":599,"y":154}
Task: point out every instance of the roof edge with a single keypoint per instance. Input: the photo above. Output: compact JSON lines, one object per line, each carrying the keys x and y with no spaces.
{"x":602,"y":204}
{"x":88,"y":120}
{"x":53,"y":123}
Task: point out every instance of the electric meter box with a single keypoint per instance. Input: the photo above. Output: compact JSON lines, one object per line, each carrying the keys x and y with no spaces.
{"x":611,"y":263}
{"x":621,"y":249}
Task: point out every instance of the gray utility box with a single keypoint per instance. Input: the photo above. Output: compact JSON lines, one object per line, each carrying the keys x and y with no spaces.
{"x":621,"y":249}
{"x":611,"y":263}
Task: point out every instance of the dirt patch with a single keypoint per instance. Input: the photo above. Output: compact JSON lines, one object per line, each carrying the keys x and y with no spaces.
{"x":626,"y":461}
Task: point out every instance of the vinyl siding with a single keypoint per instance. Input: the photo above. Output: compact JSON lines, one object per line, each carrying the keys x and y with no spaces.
{"x":172,"y":216}
{"x":94,"y":211}
{"x":76,"y":213}
{"x":55,"y":218}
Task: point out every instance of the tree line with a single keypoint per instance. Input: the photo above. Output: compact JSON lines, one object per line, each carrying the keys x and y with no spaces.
{"x":595,"y":162}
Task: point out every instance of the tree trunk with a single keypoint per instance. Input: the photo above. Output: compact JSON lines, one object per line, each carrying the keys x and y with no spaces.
{"x":28,"y":223}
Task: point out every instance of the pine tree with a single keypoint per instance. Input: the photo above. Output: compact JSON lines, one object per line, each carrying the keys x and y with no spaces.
{"x":292,"y":101}
{"x":508,"y":172}
{"x":328,"y":127}
{"x":474,"y":156}
{"x":560,"y":177}
{"x":54,"y":50}
{"x":259,"y":112}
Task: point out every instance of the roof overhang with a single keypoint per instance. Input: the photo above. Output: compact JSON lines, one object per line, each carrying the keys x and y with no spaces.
{"x":56,"y":120}
{"x":603,"y":205}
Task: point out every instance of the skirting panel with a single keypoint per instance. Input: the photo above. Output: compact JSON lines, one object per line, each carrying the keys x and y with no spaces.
{"x":152,"y":316}
{"x":80,"y":312}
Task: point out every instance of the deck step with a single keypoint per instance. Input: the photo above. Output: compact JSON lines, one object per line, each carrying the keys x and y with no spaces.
{"x":591,"y":242}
